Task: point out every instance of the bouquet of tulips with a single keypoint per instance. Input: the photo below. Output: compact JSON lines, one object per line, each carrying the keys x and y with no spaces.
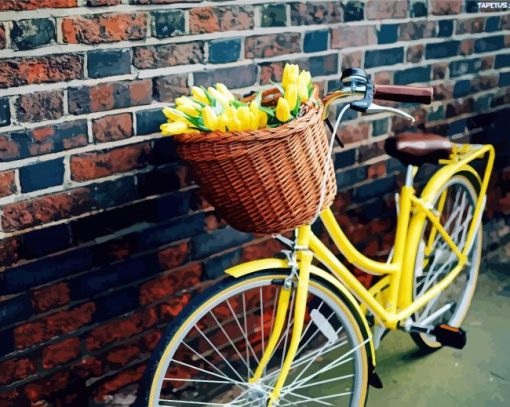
{"x":217,"y":109}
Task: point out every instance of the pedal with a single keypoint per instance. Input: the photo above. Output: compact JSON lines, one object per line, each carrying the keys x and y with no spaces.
{"x":448,"y":335}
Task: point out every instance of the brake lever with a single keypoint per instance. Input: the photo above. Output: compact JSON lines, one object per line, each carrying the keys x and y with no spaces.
{"x":373,"y":108}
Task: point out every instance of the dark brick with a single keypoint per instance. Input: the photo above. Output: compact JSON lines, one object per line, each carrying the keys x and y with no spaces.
{"x":222,"y":51}
{"x":168,"y":23}
{"x":490,"y":44}
{"x":492,"y":24}
{"x":15,"y":309}
{"x":379,"y":127}
{"x":114,"y":193}
{"x":148,"y":121}
{"x":39,"y":243}
{"x":44,"y":69}
{"x":109,"y":62}
{"x":45,"y":270}
{"x":109,"y":96}
{"x":29,"y":34}
{"x":387,"y":34}
{"x":40,"y":106}
{"x":160,"y":56}
{"x":215,"y":266}
{"x":419,"y":8}
{"x":471,"y":6}
{"x":168,"y":88}
{"x":160,"y":180}
{"x":375,"y":188}
{"x":101,"y":3}
{"x":345,"y":159}
{"x":354,"y":10}
{"x":445,"y":28}
{"x":112,"y":127}
{"x":42,"y":175}
{"x":274,"y":15}
{"x":236,"y":77}
{"x":206,"y":244}
{"x":442,"y":50}
{"x":456,"y":127}
{"x":316,"y":41}
{"x":5,"y":112}
{"x":7,"y":341}
{"x":464,"y":66}
{"x":390,"y":56}
{"x":116,"y":303}
{"x":347,"y":178}
{"x":417,"y":29}
{"x":502,"y":61}
{"x":418,"y":74}
{"x":504,"y":79}
{"x":462,"y":88}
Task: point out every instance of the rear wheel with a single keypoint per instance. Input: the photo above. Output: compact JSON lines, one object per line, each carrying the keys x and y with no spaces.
{"x":209,"y":354}
{"x":456,"y":203}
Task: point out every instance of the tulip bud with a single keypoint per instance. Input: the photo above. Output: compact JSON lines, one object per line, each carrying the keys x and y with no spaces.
{"x":171,"y":129}
{"x":302,"y":89}
{"x":290,"y":75}
{"x":224,"y":90}
{"x":282,"y":110}
{"x":210,"y":118}
{"x":291,"y":94}
{"x":199,"y":94}
{"x":220,"y":97}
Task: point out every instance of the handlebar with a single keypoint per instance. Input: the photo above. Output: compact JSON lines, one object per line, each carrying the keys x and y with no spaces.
{"x":408,"y":94}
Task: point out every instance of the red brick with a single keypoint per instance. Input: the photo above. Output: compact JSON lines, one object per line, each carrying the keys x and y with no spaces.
{"x":369,"y":151}
{"x":170,"y":283}
{"x":470,"y":25}
{"x":414,"y":53}
{"x":104,"y":28}
{"x":151,"y":340}
{"x":211,"y":19}
{"x":439,"y":71}
{"x":94,"y":165}
{"x":40,"y":106}
{"x":53,"y":325}
{"x":44,"y":209}
{"x":172,"y":307}
{"x":9,"y":251}
{"x":19,"y":5}
{"x":352,"y":59}
{"x":114,"y":127}
{"x":160,"y":56}
{"x":354,"y":133}
{"x":353,"y":36}
{"x":2,"y":36}
{"x":50,"y":297}
{"x":381,"y":9}
{"x":114,"y":331}
{"x":440,"y":7}
{"x":417,"y":29}
{"x":111,"y":385}
{"x":44,"y":69}
{"x":96,"y":3}
{"x":173,"y":257}
{"x":168,"y":88}
{"x":90,"y":366}
{"x":13,"y":370}
{"x":60,"y":352}
{"x":377,"y":170}
{"x":122,"y":355}
{"x":260,"y":250}
{"x":7,"y":185}
{"x":467,"y":47}
{"x":47,"y":386}
{"x":266,"y":46}
{"x":306,"y":13}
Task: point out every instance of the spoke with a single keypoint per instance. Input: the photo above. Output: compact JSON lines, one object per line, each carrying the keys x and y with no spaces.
{"x":239,"y":384}
{"x":334,"y":379}
{"x":196,"y":403}
{"x":244,"y":333}
{"x":177,"y":379}
{"x":315,"y":334}
{"x":316,"y":400}
{"x":218,"y":352}
{"x":231,"y":342}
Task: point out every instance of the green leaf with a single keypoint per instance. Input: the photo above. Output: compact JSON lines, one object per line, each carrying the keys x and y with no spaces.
{"x":212,"y":99}
{"x":258,"y":98}
{"x":295,"y":111}
{"x":269,"y":111}
{"x":237,"y":103}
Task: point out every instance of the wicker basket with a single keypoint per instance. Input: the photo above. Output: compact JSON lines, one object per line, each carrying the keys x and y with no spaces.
{"x":267,"y":180}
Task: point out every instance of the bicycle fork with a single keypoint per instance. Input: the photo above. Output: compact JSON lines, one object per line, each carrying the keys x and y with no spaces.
{"x":304,"y":259}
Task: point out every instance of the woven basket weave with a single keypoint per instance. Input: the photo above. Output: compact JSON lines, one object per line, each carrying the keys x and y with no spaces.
{"x":267,"y":180}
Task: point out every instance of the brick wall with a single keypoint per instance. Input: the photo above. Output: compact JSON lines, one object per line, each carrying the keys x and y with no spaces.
{"x":104,"y":236}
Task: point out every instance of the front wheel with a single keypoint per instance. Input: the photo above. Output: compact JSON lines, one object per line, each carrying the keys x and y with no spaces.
{"x":456,"y":203}
{"x":211,"y":350}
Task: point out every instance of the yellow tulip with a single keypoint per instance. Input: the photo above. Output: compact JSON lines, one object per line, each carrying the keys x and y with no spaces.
{"x":302,"y":89}
{"x":224,"y":90}
{"x":222,"y":122}
{"x":184,"y":100}
{"x":220,"y":97}
{"x":188,"y":109}
{"x":290,"y":75}
{"x":262,"y":120}
{"x":171,"y":129}
{"x":210,"y":118}
{"x":234,"y":124}
{"x":282,"y":110}
{"x":243,"y":114}
{"x":306,"y":76}
{"x":199,"y":94}
{"x":291,"y":94}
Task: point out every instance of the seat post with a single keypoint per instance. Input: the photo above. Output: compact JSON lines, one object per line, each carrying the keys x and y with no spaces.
{"x":411,"y":172}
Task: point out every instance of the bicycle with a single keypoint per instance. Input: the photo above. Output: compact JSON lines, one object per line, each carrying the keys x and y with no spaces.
{"x":287,"y":332}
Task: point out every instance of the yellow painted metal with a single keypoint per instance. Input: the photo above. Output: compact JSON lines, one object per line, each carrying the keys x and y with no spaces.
{"x":281,"y":314}
{"x":433,"y":231}
{"x":256,"y":265}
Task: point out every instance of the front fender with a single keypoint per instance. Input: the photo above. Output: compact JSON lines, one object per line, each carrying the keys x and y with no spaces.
{"x":272,"y":263}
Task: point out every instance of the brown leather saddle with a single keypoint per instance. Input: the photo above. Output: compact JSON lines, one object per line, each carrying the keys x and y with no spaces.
{"x":418,"y":148}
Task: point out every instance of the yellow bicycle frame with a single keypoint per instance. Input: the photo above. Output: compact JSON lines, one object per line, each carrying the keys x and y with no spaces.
{"x":396,"y":305}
